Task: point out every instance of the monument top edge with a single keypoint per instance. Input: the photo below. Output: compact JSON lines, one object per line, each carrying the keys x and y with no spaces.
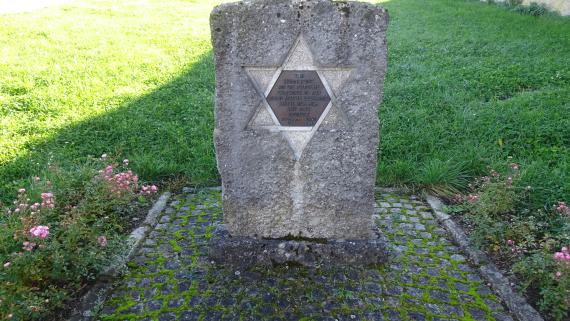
{"x":228,"y":6}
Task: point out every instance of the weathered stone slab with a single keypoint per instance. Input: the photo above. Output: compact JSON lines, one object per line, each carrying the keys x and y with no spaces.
{"x":298,"y":85}
{"x":244,"y":252}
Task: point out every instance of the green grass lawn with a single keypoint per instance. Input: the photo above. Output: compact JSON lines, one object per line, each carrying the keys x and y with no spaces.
{"x":468,"y":84}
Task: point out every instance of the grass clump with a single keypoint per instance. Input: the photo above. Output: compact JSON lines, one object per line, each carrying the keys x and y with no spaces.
{"x":534,"y":9}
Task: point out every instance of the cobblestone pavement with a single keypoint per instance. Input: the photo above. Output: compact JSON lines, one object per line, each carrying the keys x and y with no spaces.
{"x":427,"y":278}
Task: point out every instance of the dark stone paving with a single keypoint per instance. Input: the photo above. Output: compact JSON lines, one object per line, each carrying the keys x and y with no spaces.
{"x":426,"y":279}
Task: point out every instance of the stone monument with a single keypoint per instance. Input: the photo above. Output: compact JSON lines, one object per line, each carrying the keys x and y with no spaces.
{"x":298,"y":86}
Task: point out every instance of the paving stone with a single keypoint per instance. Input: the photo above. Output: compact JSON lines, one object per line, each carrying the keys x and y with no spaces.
{"x":144,"y":282}
{"x":423,"y":281}
{"x":453,"y":310}
{"x":212,"y":316}
{"x":455,"y":274}
{"x":462,"y":286}
{"x":416,"y":316}
{"x":458,"y":257}
{"x":374,"y":316}
{"x":493,"y":305}
{"x":429,"y":260}
{"x":162,"y":278}
{"x":466,"y":298}
{"x":394,"y":290}
{"x":413,"y":219}
{"x":434,"y":271}
{"x":439,"y":295}
{"x":154,"y":305}
{"x":444,"y":263}
{"x":473,"y":277}
{"x":167,"y":316}
{"x":425,"y":235}
{"x":415,"y":292}
{"x":159,"y":227}
{"x":477,"y":314}
{"x":167,"y":289}
{"x":434,"y":308}
{"x":439,"y":231}
{"x":426,"y":215}
{"x":174,"y":303}
{"x":393,"y":315}
{"x":500,"y":316}
{"x":484,"y":290}
{"x":135,"y":309}
{"x":135,"y":295}
{"x":150,"y":293}
{"x":172,"y":265}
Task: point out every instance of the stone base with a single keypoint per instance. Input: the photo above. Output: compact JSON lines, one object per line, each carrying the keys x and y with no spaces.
{"x":244,"y":252}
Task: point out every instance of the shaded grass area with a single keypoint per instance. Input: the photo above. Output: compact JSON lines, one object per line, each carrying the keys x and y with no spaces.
{"x":165,"y":134}
{"x":468,"y":84}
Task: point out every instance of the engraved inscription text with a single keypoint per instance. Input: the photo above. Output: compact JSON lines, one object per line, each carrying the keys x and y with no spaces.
{"x":298,"y":98}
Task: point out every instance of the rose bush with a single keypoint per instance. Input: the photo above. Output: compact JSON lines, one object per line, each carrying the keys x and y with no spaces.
{"x":531,"y":244}
{"x":61,"y":233}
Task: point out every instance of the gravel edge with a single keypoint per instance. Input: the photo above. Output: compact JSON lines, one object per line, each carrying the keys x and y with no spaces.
{"x":99,"y":291}
{"x":515,"y":302}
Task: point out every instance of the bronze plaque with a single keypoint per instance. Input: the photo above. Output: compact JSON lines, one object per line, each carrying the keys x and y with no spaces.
{"x":298,"y":98}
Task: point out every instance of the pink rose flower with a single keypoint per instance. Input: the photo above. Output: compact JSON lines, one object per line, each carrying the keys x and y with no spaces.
{"x":28,"y":246}
{"x":40,"y":231}
{"x":47,"y":200}
{"x":102,"y":240}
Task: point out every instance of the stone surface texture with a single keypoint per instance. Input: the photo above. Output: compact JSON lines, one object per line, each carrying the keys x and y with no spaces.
{"x":310,"y":182}
{"x":428,"y":277}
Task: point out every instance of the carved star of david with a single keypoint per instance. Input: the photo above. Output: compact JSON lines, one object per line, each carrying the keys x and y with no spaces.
{"x":320,"y":107}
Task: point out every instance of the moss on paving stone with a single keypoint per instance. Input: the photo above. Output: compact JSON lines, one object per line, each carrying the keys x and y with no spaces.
{"x":427,"y":278}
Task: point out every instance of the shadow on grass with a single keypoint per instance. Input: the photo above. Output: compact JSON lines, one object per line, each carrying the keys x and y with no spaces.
{"x":165,"y":134}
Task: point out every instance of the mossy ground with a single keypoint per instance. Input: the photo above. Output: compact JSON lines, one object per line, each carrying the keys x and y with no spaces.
{"x":427,"y":277}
